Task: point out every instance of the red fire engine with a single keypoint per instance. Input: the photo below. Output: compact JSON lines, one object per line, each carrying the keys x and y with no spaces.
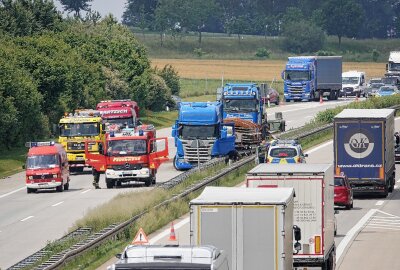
{"x":130,"y":155}
{"x":118,"y":113}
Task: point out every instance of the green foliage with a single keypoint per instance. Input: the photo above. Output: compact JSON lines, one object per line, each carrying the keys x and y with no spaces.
{"x":303,"y":36}
{"x":76,"y":6}
{"x":198,"y":52}
{"x":375,"y":55}
{"x":263,"y":53}
{"x":325,"y":53}
{"x":171,"y":78}
{"x":26,"y":17}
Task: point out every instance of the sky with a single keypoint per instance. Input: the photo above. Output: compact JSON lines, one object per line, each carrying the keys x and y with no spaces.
{"x":104,"y":7}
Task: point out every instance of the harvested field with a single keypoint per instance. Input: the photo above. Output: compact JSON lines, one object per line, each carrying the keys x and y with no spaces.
{"x":252,"y":70}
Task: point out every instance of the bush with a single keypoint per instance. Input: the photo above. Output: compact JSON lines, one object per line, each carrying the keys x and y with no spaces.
{"x":263,"y":53}
{"x":303,"y":36}
{"x":171,"y":78}
{"x":158,"y":95}
{"x":325,"y":53}
{"x":375,"y":55}
{"x":198,"y":52}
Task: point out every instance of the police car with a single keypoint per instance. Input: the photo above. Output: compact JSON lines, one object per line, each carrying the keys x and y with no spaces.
{"x":284,"y":152}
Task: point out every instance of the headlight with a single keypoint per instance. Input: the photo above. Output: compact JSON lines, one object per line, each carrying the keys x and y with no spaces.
{"x":144,"y":171}
{"x":55,"y":175}
{"x":30,"y":177}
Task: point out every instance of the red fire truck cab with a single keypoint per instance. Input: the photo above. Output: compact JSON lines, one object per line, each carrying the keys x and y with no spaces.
{"x":118,"y":113}
{"x":46,"y":167}
{"x":130,"y":155}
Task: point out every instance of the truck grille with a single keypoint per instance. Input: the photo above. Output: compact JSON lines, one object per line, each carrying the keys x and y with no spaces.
{"x":295,"y":90}
{"x":76,"y":146}
{"x":194,"y":154}
{"x":44,"y":176}
{"x":127,"y":166}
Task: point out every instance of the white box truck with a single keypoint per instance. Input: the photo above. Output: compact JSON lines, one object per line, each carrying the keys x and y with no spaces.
{"x":253,"y":226}
{"x":171,"y":257}
{"x":313,"y":207}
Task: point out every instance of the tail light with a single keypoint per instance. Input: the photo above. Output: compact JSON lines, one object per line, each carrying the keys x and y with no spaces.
{"x":317,"y":243}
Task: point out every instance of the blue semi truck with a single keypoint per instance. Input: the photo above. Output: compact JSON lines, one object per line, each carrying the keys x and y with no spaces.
{"x":200,"y":134}
{"x":364,"y":149}
{"x":309,"y":77}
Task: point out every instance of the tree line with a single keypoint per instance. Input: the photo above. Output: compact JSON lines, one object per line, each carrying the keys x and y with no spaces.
{"x":341,"y":18}
{"x":50,"y":65}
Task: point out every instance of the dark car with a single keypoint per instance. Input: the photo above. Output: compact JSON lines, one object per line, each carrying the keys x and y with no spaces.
{"x":343,"y":192}
{"x":273,"y":96}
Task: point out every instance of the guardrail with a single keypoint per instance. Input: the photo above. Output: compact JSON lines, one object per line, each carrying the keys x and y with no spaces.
{"x":107,"y":233}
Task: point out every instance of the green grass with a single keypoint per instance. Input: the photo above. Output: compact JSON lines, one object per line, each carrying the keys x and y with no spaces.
{"x":159,"y":119}
{"x":11,"y":161}
{"x":222,"y":46}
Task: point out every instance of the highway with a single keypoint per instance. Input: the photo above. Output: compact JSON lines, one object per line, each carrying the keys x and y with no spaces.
{"x":367,"y":235}
{"x":28,"y":222}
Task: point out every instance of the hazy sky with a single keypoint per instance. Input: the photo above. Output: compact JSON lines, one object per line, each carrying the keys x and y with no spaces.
{"x":115,"y":7}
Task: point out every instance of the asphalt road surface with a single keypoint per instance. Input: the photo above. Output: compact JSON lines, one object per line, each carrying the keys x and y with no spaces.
{"x":29,"y":221}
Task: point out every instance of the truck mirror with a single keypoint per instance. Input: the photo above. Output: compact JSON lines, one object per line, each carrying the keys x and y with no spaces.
{"x":23,"y":166}
{"x":224,"y":133}
{"x":297,"y":233}
{"x":174,"y":130}
{"x":118,"y":256}
{"x":101,"y":149}
{"x":305,"y":155}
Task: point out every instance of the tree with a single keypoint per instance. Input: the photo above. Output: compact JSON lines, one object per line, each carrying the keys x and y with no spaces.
{"x":76,"y":6}
{"x":238,"y":25}
{"x":140,"y":13}
{"x":342,"y":18}
{"x":303,"y":36}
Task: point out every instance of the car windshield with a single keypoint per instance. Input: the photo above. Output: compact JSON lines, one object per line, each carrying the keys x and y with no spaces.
{"x":350,"y":80}
{"x":120,"y":148}
{"x":240,"y":105}
{"x":42,"y":162}
{"x":386,"y":89}
{"x":119,"y":122}
{"x":79,"y":129}
{"x":190,"y":132}
{"x":295,"y":75}
{"x":376,"y":85}
{"x":372,"y":81}
{"x":339,"y":182}
{"x":283,"y":152}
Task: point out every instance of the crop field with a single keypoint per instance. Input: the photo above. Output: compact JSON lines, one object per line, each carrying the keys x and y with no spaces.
{"x":252,"y":70}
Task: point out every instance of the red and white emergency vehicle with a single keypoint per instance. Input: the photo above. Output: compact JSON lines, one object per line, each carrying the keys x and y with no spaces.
{"x":46,"y":167}
{"x":130,"y":155}
{"x":118,"y":113}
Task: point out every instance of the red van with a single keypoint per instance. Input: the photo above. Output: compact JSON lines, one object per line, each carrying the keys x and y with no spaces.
{"x":343,"y":192}
{"x":46,"y":167}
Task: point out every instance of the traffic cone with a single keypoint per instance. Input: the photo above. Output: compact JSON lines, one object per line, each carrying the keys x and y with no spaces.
{"x":172,"y":236}
{"x":321,"y":100}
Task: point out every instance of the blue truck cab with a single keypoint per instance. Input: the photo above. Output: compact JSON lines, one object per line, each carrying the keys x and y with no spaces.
{"x":309,"y":77}
{"x":200,"y":134}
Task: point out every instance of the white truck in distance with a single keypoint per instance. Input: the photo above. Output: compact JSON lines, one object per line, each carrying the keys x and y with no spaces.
{"x":393,"y":65}
{"x":253,"y":226}
{"x":353,"y":83}
{"x":313,"y":207}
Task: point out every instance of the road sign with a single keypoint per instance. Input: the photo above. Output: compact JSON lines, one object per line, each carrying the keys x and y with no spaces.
{"x":140,"y":238}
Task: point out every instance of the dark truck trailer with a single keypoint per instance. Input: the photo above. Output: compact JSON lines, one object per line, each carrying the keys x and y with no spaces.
{"x":364,"y":149}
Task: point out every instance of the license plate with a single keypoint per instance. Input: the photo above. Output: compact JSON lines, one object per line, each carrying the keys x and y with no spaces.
{"x":43,"y":184}
{"x":79,"y":158}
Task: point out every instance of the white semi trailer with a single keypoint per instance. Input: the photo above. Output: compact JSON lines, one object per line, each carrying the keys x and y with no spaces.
{"x":313,"y":207}
{"x":253,"y":226}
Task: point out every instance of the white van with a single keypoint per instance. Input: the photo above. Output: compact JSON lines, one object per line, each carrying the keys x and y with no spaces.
{"x":353,"y":83}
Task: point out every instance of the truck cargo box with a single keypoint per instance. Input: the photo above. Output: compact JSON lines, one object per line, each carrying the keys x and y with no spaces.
{"x":313,"y":205}
{"x":364,"y":148}
{"x":253,"y":226}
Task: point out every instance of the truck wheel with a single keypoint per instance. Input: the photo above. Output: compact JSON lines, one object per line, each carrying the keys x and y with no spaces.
{"x":79,"y":169}
{"x":66,"y":186}
{"x":60,"y":188}
{"x":277,"y":101}
{"x":118,"y":184}
{"x":109,"y":183}
{"x":30,"y":190}
{"x":148,"y":182}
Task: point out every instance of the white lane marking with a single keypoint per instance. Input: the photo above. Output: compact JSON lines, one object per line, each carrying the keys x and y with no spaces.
{"x":83,"y":192}
{"x":319,"y":147}
{"x":384,"y":228}
{"x":12,"y":192}
{"x":25,"y":219}
{"x":58,"y":203}
{"x":380,"y":202}
{"x":163,"y":234}
{"x":353,"y":232}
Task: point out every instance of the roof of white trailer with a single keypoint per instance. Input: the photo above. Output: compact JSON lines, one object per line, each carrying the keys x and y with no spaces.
{"x":231,"y":195}
{"x":365,"y":113}
{"x":298,"y":168}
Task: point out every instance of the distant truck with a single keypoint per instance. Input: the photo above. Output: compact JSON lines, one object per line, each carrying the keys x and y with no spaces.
{"x":393,"y":65}
{"x":119,"y":113}
{"x":171,"y":257}
{"x":364,"y":149}
{"x":46,"y":167}
{"x":243,"y":105}
{"x":253,"y":226}
{"x":131,"y":155}
{"x":74,"y":129}
{"x":353,"y":83}
{"x":200,"y":134}
{"x":309,"y":77}
{"x":313,"y":207}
